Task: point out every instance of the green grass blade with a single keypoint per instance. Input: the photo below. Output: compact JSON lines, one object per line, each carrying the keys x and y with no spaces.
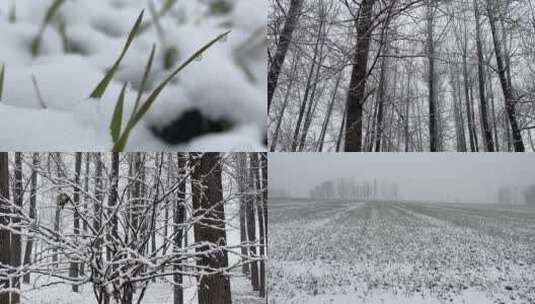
{"x":150,"y":100}
{"x":103,"y":84}
{"x":50,"y":12}
{"x":117,"y":119}
{"x":167,"y":6}
{"x":12,"y":12}
{"x":143,"y":84}
{"x":136,"y":117}
{"x":2,"y":71}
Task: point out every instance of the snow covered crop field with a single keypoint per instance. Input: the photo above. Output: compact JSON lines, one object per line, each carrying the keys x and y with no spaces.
{"x":378,"y":252}
{"x":132,"y":75}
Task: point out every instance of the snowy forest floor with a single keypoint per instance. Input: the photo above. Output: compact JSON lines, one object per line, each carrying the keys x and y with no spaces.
{"x":157,"y":293}
{"x":377,"y":252}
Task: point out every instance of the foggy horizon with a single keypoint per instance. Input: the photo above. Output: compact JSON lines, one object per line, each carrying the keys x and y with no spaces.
{"x":441,"y":177}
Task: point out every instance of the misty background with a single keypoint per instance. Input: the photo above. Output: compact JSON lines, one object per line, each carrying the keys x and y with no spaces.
{"x":440,"y":177}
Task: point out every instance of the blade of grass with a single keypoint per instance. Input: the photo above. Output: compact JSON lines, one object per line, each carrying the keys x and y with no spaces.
{"x":103,"y":84}
{"x":156,"y":20}
{"x":170,"y":53}
{"x":50,"y":12}
{"x":62,"y":30}
{"x":136,"y":117}
{"x":167,"y":6}
{"x":2,"y":71}
{"x":150,"y":100}
{"x":117,"y":119}
{"x":164,"y":10}
{"x":12,"y":12}
{"x":38,"y":93}
{"x":143,"y":84}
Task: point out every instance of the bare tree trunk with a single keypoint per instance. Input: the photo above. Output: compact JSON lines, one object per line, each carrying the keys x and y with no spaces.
{"x":261,"y":227}
{"x":99,"y":214}
{"x":264,"y":162}
{"x":433,"y":134}
{"x":329,"y":112}
{"x":493,"y":109}
{"x":33,"y":197}
{"x":359,"y":75}
{"x":112,"y":202}
{"x":280,"y":117}
{"x":341,"y":132}
{"x":310,"y":85}
{"x":57,"y":214}
{"x":469,"y":116}
{"x":179,"y":215}
{"x":75,"y":267}
{"x":380,"y":103}
{"x":282,"y":47}
{"x":15,"y":237}
{"x":214,"y":288}
{"x":487,"y":134}
{"x":506,"y":85}
{"x":241,"y":159}
{"x":166,"y":207}
{"x":5,"y":235}
{"x":85,"y":202}
{"x":407,"y":108}
{"x":250,"y":216}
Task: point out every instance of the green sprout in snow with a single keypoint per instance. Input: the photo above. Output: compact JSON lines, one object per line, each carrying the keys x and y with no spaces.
{"x":2,"y":80}
{"x":52,"y":9}
{"x":119,"y":136}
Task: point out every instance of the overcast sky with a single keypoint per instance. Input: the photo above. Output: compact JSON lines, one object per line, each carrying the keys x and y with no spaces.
{"x":463,"y":177}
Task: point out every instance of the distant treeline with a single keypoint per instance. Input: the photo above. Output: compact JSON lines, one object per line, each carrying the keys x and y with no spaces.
{"x":348,"y":188}
{"x":508,"y":195}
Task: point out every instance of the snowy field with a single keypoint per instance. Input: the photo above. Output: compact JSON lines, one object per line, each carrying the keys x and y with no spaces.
{"x":52,"y":64}
{"x":386,"y":253}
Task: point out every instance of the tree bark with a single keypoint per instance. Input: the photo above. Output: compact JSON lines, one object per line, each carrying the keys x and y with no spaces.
{"x":215,"y":287}
{"x":179,"y":216}
{"x":485,"y":128}
{"x":359,"y":75}
{"x":431,"y":78}
{"x":261,"y":227}
{"x":329,"y":113}
{"x":5,"y":235}
{"x":242,"y":188}
{"x":282,"y":47}
{"x":33,"y":197}
{"x":309,"y":86}
{"x":264,"y":162}
{"x":75,"y":266}
{"x":112,"y":202}
{"x":381,"y":102}
{"x":506,"y":85}
{"x":15,"y":237}
{"x":250,"y":216}
{"x":280,"y":116}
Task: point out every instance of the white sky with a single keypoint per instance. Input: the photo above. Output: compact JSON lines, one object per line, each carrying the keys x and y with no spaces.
{"x":464,"y":177}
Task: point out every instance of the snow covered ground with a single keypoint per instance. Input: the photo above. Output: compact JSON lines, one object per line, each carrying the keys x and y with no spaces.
{"x":44,"y":102}
{"x":157,"y":293}
{"x":377,"y":252}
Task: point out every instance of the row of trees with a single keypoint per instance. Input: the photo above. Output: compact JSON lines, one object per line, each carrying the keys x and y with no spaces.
{"x":348,"y":188}
{"x":508,"y":195}
{"x":401,"y":75}
{"x":119,"y":222}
